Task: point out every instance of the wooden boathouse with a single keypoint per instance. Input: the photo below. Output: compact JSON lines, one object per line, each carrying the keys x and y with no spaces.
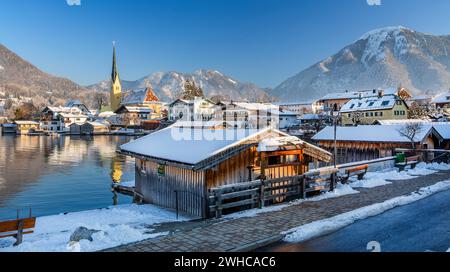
{"x":177,"y":167}
{"x":375,"y":141}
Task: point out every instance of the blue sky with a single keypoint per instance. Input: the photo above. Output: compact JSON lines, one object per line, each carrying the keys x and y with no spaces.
{"x":260,"y":41}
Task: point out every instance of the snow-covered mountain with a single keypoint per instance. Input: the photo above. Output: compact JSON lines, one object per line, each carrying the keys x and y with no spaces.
{"x":382,"y":58}
{"x":169,"y":85}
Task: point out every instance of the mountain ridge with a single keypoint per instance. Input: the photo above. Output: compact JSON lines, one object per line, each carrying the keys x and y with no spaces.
{"x":169,"y":85}
{"x":381,"y":58}
{"x":19,"y":77}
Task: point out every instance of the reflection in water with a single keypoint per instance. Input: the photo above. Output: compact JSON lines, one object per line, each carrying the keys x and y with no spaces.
{"x":116,"y":169}
{"x":60,"y":174}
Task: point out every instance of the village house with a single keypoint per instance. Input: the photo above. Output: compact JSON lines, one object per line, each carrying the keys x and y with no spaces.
{"x":89,"y":128}
{"x":67,"y":119}
{"x":9,"y":128}
{"x":442,"y":101}
{"x":79,"y":105}
{"x":251,"y":115}
{"x":366,"y":111}
{"x":198,"y":109}
{"x":287,"y":119}
{"x":59,"y":119}
{"x":175,"y":167}
{"x":144,"y":97}
{"x":133,"y":116}
{"x":375,"y":141}
{"x":336,"y":101}
{"x":300,"y":108}
{"x":422,"y":101}
{"x":26,"y":127}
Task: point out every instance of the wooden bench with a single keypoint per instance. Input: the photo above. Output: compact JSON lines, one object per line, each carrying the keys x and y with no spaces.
{"x":359,"y":171}
{"x":17,"y":228}
{"x":411,"y":161}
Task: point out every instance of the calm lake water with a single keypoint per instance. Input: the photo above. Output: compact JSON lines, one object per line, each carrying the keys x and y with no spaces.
{"x":55,"y":175}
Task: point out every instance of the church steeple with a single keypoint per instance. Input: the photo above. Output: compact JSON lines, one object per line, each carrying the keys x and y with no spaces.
{"x":116,"y":87}
{"x":115,"y":73}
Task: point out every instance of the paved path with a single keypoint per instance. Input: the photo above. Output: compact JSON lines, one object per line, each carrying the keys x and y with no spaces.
{"x":249,"y":233}
{"x":418,"y":227}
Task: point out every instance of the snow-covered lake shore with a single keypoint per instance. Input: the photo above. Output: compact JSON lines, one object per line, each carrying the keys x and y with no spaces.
{"x":116,"y":226}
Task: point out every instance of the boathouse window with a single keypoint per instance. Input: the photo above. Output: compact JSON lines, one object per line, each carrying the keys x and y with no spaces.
{"x":275,"y":160}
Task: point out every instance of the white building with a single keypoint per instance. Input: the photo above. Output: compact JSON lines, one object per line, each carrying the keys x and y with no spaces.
{"x":192,"y":110}
{"x":249,"y":115}
{"x":301,"y":108}
{"x":58,"y":119}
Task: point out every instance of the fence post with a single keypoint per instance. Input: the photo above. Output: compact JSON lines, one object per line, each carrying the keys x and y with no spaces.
{"x":333,"y":181}
{"x":261,"y":195}
{"x":302,"y":187}
{"x":218,"y":195}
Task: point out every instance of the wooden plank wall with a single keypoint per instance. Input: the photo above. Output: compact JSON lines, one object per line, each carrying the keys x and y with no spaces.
{"x":160,"y":189}
{"x":233,"y":170}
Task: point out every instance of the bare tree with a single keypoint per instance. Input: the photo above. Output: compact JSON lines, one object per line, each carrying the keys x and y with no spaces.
{"x":410,"y":131}
{"x":357,"y":118}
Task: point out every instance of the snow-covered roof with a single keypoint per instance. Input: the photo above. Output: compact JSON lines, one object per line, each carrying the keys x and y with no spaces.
{"x":299,"y":103}
{"x":256,"y":106}
{"x":420,"y":97}
{"x":370,"y":104}
{"x":139,"y":96}
{"x":9,"y":125}
{"x":285,"y":113}
{"x":71,"y":115}
{"x":403,"y":122}
{"x":374,"y":133}
{"x":208,"y":124}
{"x":74,"y":103}
{"x":310,"y":116}
{"x":192,"y":146}
{"x":443,"y":129}
{"x":26,"y":123}
{"x":292,"y":142}
{"x":106,"y":114}
{"x":63,"y":109}
{"x":136,"y":109}
{"x":442,"y":98}
{"x":99,"y":123}
{"x":349,"y":95}
{"x":191,"y":102}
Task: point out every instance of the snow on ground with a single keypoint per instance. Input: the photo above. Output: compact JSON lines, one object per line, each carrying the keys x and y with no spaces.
{"x":381,"y":178}
{"x":369,"y":183}
{"x":435,"y":166}
{"x":371,"y":180}
{"x":341,"y":190}
{"x":117,"y":225}
{"x":329,"y":225}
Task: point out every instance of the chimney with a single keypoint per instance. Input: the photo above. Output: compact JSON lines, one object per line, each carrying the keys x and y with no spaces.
{"x":380,"y":93}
